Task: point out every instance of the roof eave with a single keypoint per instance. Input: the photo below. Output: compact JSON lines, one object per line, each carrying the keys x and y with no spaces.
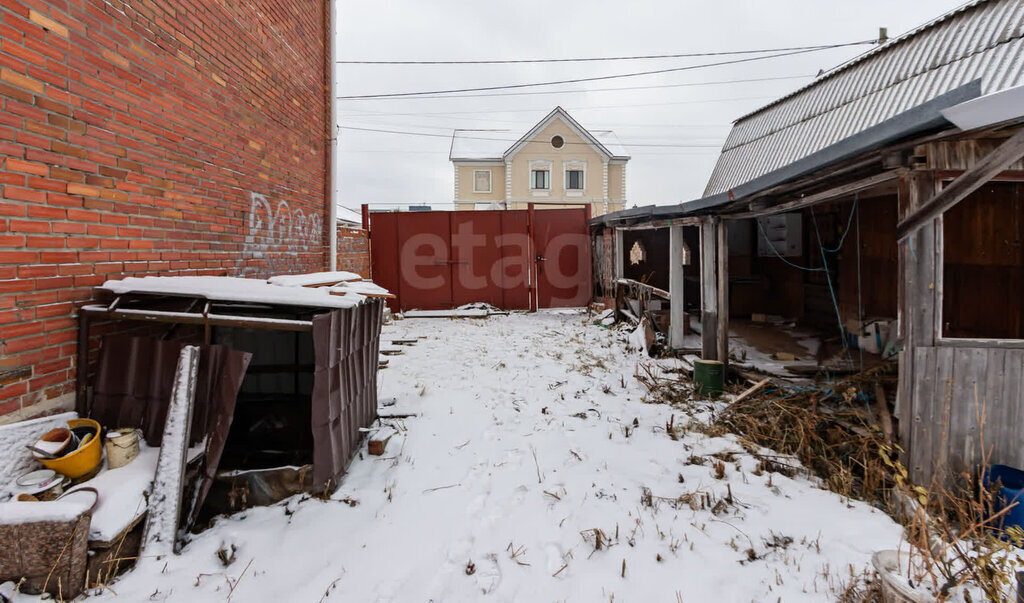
{"x":917,"y":120}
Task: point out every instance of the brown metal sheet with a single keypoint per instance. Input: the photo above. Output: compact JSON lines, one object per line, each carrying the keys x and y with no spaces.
{"x":346,"y":343}
{"x":132,"y":388}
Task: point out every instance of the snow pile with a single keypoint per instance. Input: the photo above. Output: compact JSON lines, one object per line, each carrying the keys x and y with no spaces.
{"x":313,"y":279}
{"x":532,"y":471}
{"x":122,"y":494}
{"x":68,"y":509}
{"x":225,"y":288}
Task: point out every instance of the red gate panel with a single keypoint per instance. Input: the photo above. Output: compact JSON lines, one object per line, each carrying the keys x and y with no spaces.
{"x":424,"y":274}
{"x":474,"y":254}
{"x":384,"y":253}
{"x":440,"y":260}
{"x":512,"y":274}
{"x":562,"y":243}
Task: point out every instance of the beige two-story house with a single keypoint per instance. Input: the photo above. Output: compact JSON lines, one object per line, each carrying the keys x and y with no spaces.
{"x":558,"y":163}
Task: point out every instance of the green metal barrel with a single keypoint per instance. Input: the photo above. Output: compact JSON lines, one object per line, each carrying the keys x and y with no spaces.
{"x":708,"y":377}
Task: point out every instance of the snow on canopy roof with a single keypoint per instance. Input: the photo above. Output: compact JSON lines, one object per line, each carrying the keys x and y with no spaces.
{"x":349,"y":216}
{"x":982,"y":40}
{"x":225,"y":288}
{"x":480,"y":144}
{"x":610,"y":141}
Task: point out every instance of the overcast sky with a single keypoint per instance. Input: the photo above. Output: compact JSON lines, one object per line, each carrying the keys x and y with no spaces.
{"x":673,"y":132}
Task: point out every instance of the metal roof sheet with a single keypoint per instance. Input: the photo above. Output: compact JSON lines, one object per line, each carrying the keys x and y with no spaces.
{"x":982,"y":40}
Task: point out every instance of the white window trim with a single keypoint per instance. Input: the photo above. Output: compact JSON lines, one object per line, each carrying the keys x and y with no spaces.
{"x":573,"y":165}
{"x":536,"y":165}
{"x":490,"y":177}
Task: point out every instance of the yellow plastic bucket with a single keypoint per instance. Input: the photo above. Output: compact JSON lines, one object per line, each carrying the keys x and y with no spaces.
{"x":82,"y":461}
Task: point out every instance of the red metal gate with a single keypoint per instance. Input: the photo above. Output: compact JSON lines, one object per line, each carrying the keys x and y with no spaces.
{"x":510,"y":259}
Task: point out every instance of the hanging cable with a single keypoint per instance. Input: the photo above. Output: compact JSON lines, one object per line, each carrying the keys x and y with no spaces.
{"x":849,"y":221}
{"x":572,"y":81}
{"x":828,"y":279}
{"x":643,"y":57}
{"x":779,"y":255}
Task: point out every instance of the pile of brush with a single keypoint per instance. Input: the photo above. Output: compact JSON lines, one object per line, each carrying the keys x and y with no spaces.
{"x":836,"y":430}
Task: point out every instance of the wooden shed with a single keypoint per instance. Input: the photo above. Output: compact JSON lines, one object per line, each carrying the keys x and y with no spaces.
{"x":888,"y":191}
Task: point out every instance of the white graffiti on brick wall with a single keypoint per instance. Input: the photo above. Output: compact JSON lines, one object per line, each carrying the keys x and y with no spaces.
{"x":280,"y":240}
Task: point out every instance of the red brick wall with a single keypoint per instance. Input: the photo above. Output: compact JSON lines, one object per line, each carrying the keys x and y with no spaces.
{"x":354,"y":251}
{"x":149,"y":137}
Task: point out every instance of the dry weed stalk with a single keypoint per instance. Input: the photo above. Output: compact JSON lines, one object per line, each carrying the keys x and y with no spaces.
{"x":955,"y":531}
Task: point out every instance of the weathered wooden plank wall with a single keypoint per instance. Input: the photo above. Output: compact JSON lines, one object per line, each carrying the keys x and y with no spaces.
{"x":967,"y":409}
{"x":960,"y":154}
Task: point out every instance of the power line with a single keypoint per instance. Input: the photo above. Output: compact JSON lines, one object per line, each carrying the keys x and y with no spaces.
{"x":367,"y":115}
{"x":587,"y":91}
{"x":424,"y":94}
{"x":405,"y":132}
{"x":372,"y":125}
{"x":597,"y":59}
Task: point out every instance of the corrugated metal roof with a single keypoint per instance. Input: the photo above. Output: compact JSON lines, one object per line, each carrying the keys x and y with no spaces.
{"x":983,"y":40}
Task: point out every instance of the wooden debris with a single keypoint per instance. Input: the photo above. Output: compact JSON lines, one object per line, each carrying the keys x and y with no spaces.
{"x":404,"y":341}
{"x":748,"y":392}
{"x":882,"y":409}
{"x":783,"y":356}
{"x":160,"y":533}
{"x":379,"y":441}
{"x":363,"y":293}
{"x":392,"y":351}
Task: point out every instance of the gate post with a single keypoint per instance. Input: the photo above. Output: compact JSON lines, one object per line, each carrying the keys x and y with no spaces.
{"x":532,"y":257}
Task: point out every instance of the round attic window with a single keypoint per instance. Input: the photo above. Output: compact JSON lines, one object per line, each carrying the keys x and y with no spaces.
{"x":557,"y":141}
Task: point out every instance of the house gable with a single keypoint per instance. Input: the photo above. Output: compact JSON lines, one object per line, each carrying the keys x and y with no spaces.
{"x":557,"y":115}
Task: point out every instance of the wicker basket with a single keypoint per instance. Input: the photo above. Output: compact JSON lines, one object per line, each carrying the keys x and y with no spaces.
{"x":49,"y":555}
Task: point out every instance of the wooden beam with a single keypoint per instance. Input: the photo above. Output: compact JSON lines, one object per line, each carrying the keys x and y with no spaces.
{"x":723,"y":293}
{"x":708,"y":289}
{"x":676,"y":281}
{"x":984,"y":170}
{"x":823,"y":196}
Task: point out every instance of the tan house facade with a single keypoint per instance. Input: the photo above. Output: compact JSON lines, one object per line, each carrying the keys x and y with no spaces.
{"x":558,"y":163}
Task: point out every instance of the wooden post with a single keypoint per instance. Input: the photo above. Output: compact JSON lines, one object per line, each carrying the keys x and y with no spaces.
{"x":723,"y":292}
{"x":618,"y":253}
{"x":677,"y":314}
{"x":917,"y":255}
{"x":708,"y":289}
{"x":532,"y":258}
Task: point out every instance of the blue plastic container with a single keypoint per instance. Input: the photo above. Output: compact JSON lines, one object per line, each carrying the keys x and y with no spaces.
{"x":1011,"y":490}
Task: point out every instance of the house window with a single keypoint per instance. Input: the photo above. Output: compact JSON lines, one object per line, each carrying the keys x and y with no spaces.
{"x":481,"y":181}
{"x":574,"y":180}
{"x":540,"y":179}
{"x":557,"y":141}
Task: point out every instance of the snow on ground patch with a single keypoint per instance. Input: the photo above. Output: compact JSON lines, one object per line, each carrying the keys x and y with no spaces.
{"x":534,"y":471}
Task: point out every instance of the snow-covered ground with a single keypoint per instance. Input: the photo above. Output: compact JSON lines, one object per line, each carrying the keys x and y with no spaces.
{"x":532,"y":441}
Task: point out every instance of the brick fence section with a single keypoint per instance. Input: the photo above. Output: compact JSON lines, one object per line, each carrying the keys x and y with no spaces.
{"x":149,"y":137}
{"x":354,"y":250}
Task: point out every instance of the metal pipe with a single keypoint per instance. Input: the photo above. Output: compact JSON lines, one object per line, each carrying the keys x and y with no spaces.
{"x":335,"y":165}
{"x":220,"y":320}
